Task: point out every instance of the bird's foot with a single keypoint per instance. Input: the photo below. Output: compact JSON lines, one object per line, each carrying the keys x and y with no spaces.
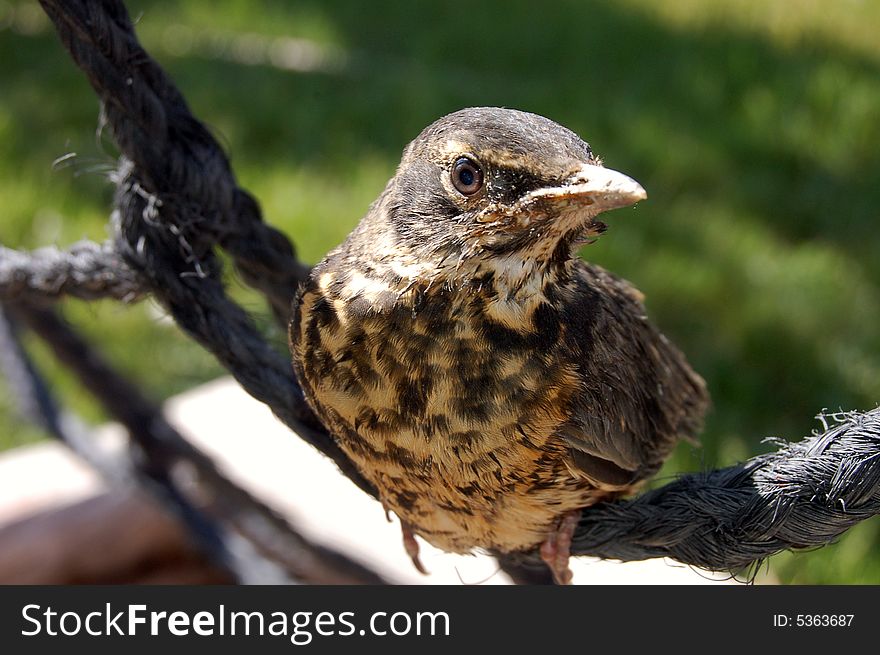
{"x":556,"y":549}
{"x":412,"y":547}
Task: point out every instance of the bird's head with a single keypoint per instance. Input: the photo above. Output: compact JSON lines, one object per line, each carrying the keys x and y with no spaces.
{"x":489,"y":184}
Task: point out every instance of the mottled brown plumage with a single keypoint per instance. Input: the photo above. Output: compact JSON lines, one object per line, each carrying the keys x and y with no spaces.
{"x":485,"y":379}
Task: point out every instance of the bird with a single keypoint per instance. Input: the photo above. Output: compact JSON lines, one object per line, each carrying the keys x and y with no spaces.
{"x":489,"y":382}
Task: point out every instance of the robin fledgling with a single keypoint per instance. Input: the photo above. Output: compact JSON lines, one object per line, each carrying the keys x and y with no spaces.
{"x":486,"y":380}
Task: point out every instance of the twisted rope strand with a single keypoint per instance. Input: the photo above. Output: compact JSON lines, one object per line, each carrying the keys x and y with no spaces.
{"x":86,"y":270}
{"x":803,"y":495}
{"x":176,"y":199}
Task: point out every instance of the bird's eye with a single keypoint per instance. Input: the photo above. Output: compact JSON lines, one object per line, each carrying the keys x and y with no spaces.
{"x":467,"y":176}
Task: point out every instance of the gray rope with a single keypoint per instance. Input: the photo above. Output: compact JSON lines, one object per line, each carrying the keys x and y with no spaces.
{"x":177,"y":200}
{"x":86,"y":270}
{"x":803,"y":495}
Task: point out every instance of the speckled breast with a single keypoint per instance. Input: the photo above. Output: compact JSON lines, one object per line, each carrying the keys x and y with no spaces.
{"x":448,"y":410}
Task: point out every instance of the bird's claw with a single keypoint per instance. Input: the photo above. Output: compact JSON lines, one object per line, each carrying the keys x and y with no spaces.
{"x":412,"y":547}
{"x":556,"y":549}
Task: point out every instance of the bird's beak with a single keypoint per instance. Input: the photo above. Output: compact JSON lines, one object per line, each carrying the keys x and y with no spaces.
{"x":595,"y":188}
{"x":590,"y":190}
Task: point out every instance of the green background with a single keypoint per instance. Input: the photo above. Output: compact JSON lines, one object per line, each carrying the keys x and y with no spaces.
{"x":753,"y":124}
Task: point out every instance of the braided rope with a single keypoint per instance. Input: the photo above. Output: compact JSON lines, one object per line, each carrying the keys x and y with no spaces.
{"x":86,"y":270}
{"x":176,"y":199}
{"x":803,"y":495}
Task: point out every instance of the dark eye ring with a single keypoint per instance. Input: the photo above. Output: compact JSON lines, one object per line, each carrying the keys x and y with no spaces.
{"x":467,"y":176}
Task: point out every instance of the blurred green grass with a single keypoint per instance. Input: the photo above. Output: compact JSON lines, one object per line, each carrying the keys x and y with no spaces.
{"x":752,"y":124}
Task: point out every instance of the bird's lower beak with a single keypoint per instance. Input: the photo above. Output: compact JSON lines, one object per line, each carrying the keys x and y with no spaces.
{"x":595,"y":188}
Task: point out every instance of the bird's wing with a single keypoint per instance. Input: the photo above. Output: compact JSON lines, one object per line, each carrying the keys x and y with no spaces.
{"x":637,"y":395}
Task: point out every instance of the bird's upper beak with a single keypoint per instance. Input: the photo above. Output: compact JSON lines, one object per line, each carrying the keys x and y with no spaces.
{"x":574,"y":202}
{"x":591,"y":187}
